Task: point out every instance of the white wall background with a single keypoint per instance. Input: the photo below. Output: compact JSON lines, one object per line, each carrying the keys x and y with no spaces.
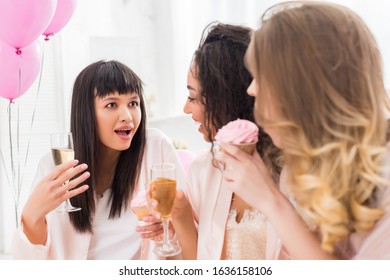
{"x":156,"y":38}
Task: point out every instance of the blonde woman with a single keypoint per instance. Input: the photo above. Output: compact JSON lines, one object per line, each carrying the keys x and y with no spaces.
{"x":320,"y":95}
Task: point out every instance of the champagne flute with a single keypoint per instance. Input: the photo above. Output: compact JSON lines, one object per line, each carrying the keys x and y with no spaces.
{"x":62,"y":151}
{"x":163,"y":190}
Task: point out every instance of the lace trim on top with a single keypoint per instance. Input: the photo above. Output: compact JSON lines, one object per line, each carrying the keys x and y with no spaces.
{"x":247,"y":239}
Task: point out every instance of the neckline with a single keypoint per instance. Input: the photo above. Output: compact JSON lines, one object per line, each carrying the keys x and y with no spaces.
{"x":102,"y":195}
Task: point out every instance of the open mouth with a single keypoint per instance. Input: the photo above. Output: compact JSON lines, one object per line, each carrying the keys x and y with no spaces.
{"x":123,"y":132}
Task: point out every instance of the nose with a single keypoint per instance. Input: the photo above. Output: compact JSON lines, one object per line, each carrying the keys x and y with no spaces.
{"x":186,"y":108}
{"x":252,"y":89}
{"x":125,"y":115}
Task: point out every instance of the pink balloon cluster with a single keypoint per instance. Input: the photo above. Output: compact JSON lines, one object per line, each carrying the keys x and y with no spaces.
{"x":21,"y":24}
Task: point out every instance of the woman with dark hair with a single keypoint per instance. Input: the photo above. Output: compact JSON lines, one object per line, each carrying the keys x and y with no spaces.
{"x":217,"y":81}
{"x":108,"y":123}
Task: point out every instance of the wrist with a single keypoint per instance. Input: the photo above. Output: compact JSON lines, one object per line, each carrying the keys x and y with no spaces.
{"x":183,"y":220}
{"x":32,"y":219}
{"x":34,"y":227}
{"x":277,"y":204}
{"x":182,"y":214}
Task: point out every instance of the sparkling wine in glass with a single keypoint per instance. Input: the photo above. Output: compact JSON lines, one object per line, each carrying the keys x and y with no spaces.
{"x":163,"y":190}
{"x":62,"y":151}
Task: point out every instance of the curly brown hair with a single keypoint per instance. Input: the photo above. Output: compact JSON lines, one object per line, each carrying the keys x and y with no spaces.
{"x":224,"y":79}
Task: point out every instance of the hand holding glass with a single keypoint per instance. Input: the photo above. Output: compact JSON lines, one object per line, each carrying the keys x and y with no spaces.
{"x":62,"y":151}
{"x":163,"y":190}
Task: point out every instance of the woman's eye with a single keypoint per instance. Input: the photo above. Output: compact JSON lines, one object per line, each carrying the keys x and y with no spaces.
{"x":190,"y":99}
{"x":133,"y":104}
{"x":111,"y":105}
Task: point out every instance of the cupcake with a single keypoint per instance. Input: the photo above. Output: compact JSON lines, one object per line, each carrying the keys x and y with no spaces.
{"x":241,"y":133}
{"x":139,"y":206}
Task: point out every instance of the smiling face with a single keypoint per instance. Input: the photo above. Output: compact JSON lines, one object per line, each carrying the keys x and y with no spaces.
{"x":118,"y":118}
{"x":194,"y":105}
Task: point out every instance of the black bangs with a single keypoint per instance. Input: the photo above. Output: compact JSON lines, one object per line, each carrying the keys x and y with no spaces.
{"x":113,"y":76}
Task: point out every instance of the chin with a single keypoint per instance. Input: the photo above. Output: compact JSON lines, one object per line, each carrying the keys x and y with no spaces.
{"x":124,"y":148}
{"x":205,"y":135}
{"x":120,"y":147}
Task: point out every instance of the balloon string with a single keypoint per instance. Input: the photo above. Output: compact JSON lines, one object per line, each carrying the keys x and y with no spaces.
{"x":18,"y":150}
{"x":18,"y":141}
{"x":10,"y":139}
{"x":12,"y":184}
{"x":33,"y":115}
{"x":18,"y":186}
{"x":12,"y":158}
{"x":5,"y":168}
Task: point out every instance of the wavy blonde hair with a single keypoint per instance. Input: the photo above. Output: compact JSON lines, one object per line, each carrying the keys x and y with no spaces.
{"x":320,"y":67}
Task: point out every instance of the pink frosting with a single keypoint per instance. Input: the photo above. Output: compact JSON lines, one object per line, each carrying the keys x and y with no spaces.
{"x":139,"y":200}
{"x":238,"y":132}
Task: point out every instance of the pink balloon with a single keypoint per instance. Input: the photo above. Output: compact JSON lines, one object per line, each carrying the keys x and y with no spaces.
{"x":14,"y":68}
{"x":62,"y":15}
{"x":23,"y":21}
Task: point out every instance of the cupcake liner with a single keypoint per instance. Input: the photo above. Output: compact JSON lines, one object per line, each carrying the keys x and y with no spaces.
{"x":249,"y":148}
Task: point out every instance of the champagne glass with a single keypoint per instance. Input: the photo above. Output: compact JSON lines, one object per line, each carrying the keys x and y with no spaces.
{"x":62,"y":151}
{"x":163,"y":190}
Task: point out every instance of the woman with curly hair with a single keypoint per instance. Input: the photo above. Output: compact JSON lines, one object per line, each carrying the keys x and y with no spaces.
{"x":227,"y":227}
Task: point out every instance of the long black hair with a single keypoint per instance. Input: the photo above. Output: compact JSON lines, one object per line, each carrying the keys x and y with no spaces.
{"x":99,"y":80}
{"x":224,"y":80}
